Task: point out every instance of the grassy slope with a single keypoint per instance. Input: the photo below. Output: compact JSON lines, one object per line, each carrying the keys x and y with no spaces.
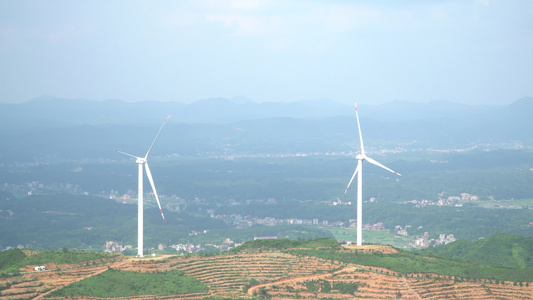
{"x":114,"y":283}
{"x":503,"y":250}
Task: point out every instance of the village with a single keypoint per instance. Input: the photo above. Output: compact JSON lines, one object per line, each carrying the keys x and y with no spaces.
{"x":444,"y":201}
{"x":177,"y":204}
{"x":417,"y":242}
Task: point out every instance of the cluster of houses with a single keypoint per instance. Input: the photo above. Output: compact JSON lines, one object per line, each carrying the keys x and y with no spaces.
{"x":36,"y":187}
{"x":188,"y":248}
{"x":340,"y":202}
{"x":111,"y":246}
{"x":425,"y":241}
{"x":227,"y":244}
{"x":240,"y":221}
{"x":444,"y":201}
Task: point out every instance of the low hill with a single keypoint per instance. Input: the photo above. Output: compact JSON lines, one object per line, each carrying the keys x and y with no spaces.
{"x":274,"y":269}
{"x":501,"y":249}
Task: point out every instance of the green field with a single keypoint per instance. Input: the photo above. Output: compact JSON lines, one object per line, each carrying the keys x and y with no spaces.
{"x":372,"y":237}
{"x":512,"y":203}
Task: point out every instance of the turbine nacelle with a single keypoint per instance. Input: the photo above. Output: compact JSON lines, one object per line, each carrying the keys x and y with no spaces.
{"x":141,"y":160}
{"x":360,"y":157}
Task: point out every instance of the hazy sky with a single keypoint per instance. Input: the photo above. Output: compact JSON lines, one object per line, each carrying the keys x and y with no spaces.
{"x":467,"y":51}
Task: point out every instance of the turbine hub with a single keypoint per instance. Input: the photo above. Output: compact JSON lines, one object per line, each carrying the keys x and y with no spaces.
{"x":360,"y":157}
{"x":140,"y":160}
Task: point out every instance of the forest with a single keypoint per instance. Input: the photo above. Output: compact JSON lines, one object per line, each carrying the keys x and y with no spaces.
{"x":87,"y":222}
{"x":208,"y":195}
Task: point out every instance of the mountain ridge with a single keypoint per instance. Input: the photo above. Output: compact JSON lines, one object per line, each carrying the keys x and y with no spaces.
{"x":65,"y":128}
{"x":224,"y":110}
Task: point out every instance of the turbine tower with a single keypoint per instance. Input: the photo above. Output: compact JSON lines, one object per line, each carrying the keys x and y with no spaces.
{"x":360,"y":158}
{"x":143,"y":161}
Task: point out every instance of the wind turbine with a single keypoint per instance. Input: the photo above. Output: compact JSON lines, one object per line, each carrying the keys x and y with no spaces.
{"x":360,"y":158}
{"x":143,"y":161}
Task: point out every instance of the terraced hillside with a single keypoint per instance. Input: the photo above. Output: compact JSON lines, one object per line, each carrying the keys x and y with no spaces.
{"x":231,"y":275}
{"x":376,"y":284}
{"x":276,"y":275}
{"x":36,"y":284}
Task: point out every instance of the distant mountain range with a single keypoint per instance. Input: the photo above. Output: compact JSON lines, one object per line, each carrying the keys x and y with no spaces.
{"x":73,"y":128}
{"x":223,"y":111}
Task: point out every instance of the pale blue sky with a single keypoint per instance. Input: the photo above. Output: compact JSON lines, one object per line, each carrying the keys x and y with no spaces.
{"x":468,"y":51}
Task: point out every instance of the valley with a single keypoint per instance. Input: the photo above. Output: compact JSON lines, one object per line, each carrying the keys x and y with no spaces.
{"x":242,"y":197}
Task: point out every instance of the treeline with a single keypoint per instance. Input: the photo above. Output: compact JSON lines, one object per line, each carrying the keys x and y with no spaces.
{"x":280,"y":244}
{"x":326,"y":286}
{"x":292,"y":232}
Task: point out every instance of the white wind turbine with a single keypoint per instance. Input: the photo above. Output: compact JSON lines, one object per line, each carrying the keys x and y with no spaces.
{"x":360,"y":158}
{"x":141,"y":161}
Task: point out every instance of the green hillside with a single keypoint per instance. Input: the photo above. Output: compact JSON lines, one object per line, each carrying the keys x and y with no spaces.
{"x":408,"y":262}
{"x":114,"y":283}
{"x":501,"y":249}
{"x":11,"y":260}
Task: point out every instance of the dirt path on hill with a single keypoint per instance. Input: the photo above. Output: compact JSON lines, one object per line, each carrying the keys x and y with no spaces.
{"x":100,"y":270}
{"x":409,"y":288}
{"x":294,"y":280}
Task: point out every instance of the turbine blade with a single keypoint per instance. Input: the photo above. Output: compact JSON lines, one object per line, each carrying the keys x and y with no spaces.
{"x":359,"y":127}
{"x":353,"y":176}
{"x":127,"y":154}
{"x":150,"y":150}
{"x":149,"y":174}
{"x":370,"y":160}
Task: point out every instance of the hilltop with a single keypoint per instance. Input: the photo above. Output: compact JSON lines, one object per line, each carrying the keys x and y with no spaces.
{"x":276,"y":269}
